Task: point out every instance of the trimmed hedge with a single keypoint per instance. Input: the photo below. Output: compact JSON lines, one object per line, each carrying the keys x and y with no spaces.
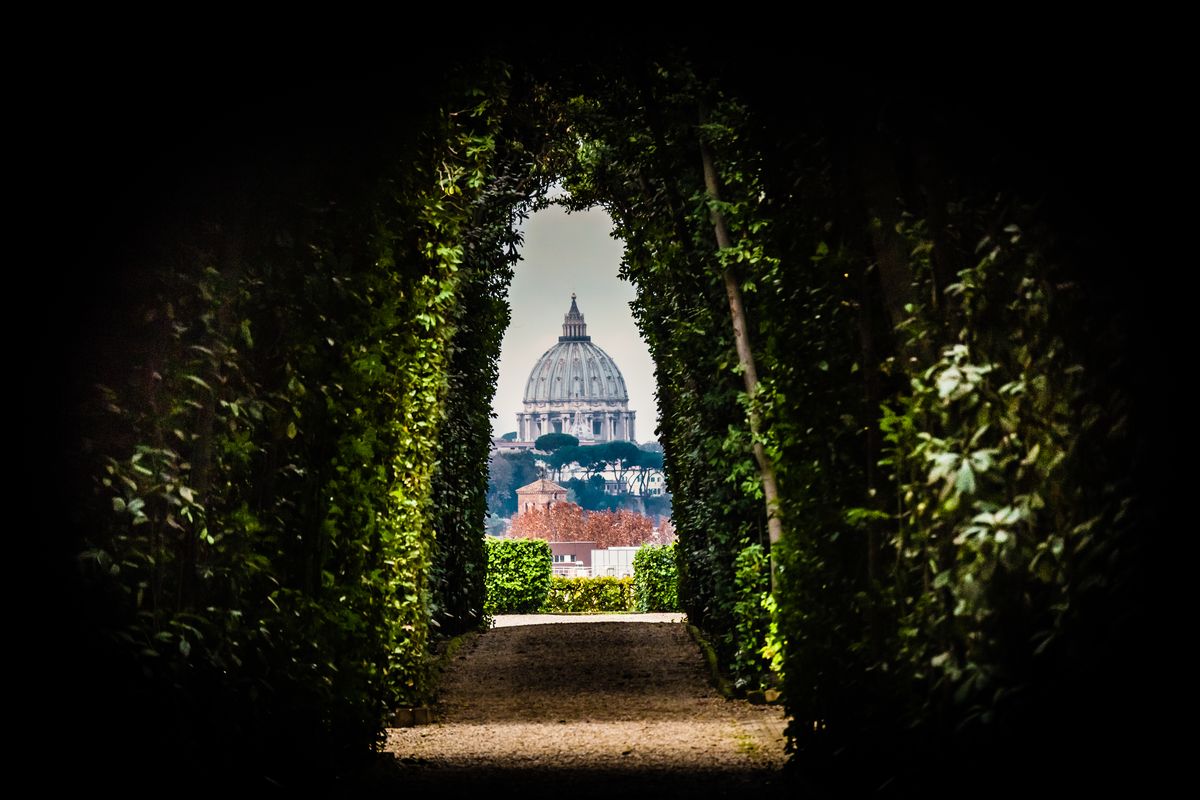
{"x":519,"y":581}
{"x":518,"y":575}
{"x":602,"y":594}
{"x":656,"y":578}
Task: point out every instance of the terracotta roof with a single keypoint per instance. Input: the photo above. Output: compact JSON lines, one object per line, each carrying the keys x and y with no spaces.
{"x":541,"y":485}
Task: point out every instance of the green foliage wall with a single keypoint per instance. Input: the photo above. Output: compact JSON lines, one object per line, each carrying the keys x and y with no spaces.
{"x":656,"y":578}
{"x":640,"y":160}
{"x":460,"y":495}
{"x":309,"y":373}
{"x":518,"y":575}
{"x":948,"y":441}
{"x":755,"y":634}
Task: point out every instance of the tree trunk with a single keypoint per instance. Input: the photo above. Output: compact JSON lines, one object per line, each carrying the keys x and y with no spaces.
{"x":741,"y":339}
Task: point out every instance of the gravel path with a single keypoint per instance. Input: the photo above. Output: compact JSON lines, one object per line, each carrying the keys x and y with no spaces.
{"x":511,"y":620}
{"x":590,"y":708}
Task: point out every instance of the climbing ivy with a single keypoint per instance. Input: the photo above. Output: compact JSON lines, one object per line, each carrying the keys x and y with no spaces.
{"x":267,"y":463}
{"x":941,"y":431}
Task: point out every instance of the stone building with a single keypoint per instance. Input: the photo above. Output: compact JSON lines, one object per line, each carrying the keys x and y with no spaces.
{"x":540,"y":495}
{"x":576,"y":388}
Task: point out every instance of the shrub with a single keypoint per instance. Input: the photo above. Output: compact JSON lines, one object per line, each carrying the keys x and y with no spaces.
{"x":518,"y":575}
{"x":603,"y":594}
{"x":656,"y":578}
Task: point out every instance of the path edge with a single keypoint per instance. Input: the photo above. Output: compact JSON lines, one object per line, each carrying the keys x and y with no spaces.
{"x":718,"y":680}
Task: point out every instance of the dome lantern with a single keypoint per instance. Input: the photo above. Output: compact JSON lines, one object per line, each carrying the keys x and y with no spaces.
{"x":574,"y":328}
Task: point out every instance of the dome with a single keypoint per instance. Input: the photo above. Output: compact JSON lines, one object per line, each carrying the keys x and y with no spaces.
{"x":576,"y":388}
{"x":575,"y":369}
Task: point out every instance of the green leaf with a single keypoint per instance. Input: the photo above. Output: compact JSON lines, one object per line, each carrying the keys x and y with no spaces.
{"x":948,"y":381}
{"x":965,"y":481}
{"x":1032,"y":457}
{"x":981,"y":460}
{"x":979,"y":434}
{"x":197,"y":380}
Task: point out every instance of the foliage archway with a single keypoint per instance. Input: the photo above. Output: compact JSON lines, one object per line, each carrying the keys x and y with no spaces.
{"x":289,"y":450}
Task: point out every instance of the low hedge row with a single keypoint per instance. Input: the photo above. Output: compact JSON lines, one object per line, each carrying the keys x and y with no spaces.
{"x":519,"y":581}
{"x":605,"y":594}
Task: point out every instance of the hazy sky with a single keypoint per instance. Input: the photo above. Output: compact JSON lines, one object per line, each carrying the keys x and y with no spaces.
{"x":566,"y":253}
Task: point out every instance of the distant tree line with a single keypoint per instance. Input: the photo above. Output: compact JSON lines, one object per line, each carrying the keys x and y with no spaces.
{"x":554,"y":453}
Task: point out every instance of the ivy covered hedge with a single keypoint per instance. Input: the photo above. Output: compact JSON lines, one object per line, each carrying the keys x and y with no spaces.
{"x":285,"y":445}
{"x":656,"y":578}
{"x":942,"y":396}
{"x":518,"y":575}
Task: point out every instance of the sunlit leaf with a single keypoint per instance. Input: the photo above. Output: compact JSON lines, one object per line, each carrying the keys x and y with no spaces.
{"x":198,"y":381}
{"x":965,"y":481}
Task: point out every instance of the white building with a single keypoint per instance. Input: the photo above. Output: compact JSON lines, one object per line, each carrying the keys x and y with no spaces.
{"x":615,"y":562}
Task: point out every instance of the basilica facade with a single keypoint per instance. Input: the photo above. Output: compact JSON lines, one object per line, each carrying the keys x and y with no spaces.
{"x":576,"y":388}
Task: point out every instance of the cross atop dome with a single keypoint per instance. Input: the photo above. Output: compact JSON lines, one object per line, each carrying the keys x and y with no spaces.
{"x":574,"y":328}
